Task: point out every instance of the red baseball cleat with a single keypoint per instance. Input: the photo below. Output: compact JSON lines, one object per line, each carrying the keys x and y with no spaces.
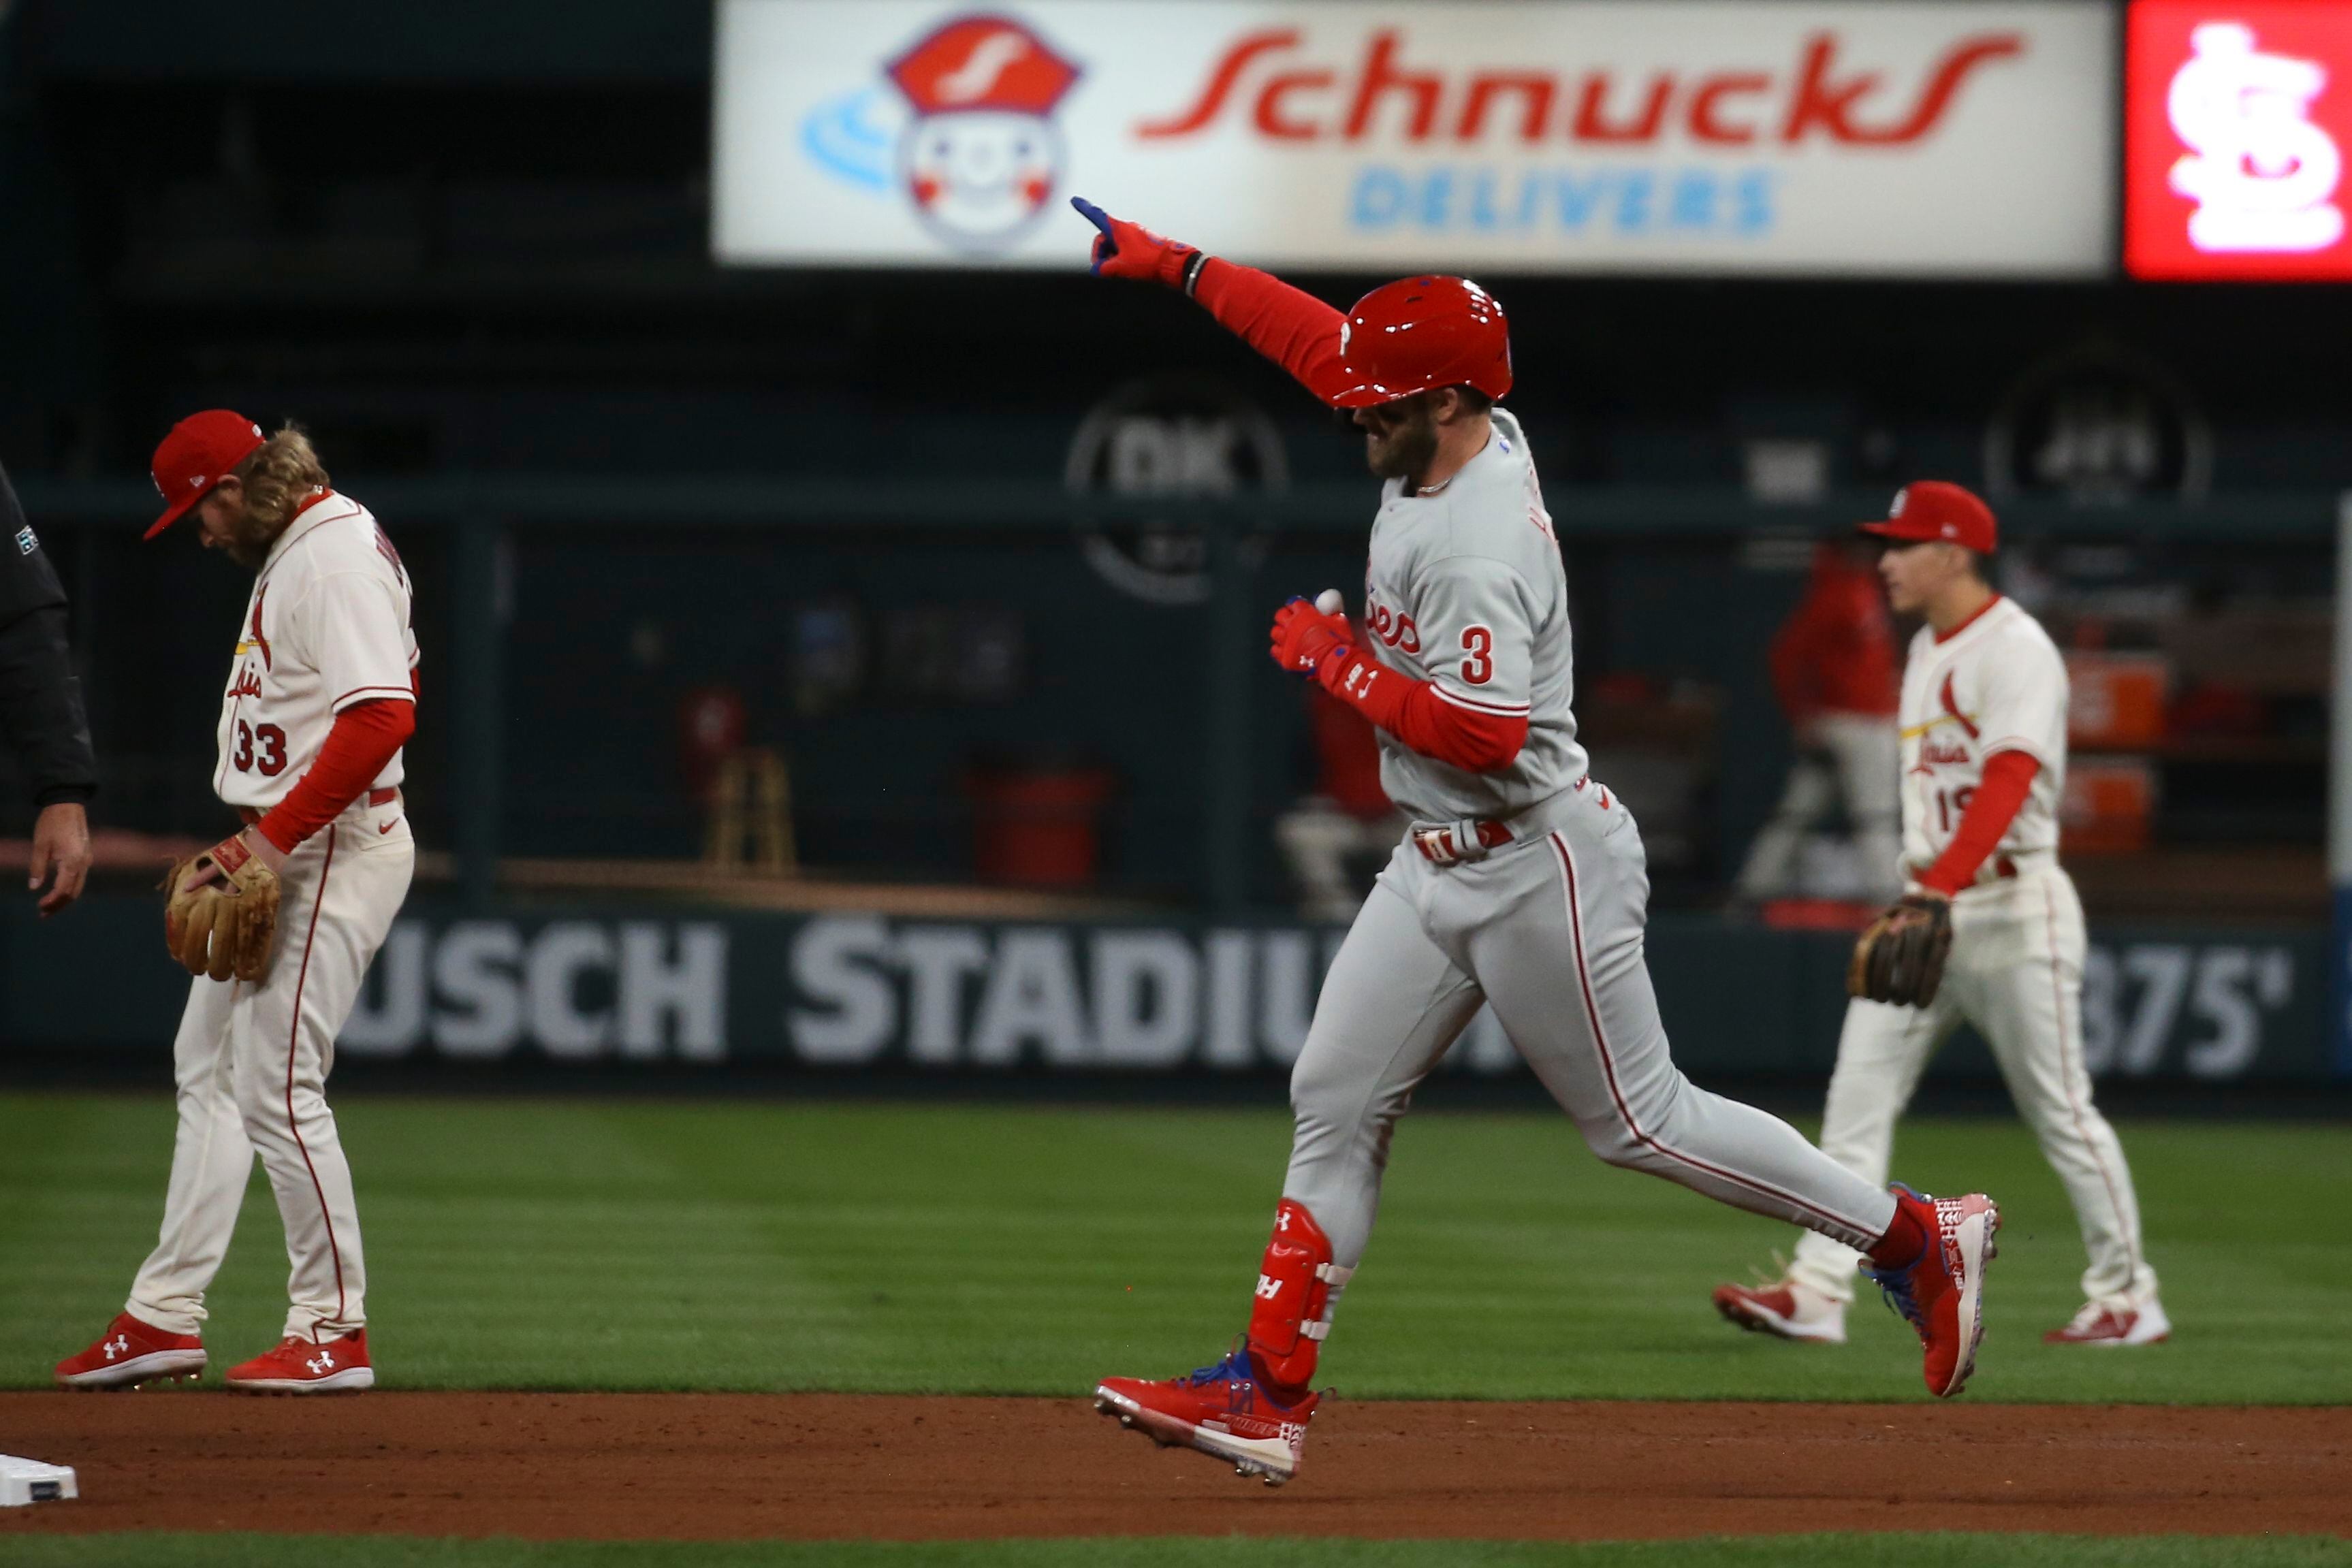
{"x":130,"y":1351}
{"x":1941,"y":1291}
{"x":297,"y":1365}
{"x":1784,"y":1309}
{"x":2111,"y":1327}
{"x":1221,"y":1410}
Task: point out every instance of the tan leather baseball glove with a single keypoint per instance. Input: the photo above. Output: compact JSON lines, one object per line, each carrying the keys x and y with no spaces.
{"x":1900,"y":957}
{"x":225,"y":928}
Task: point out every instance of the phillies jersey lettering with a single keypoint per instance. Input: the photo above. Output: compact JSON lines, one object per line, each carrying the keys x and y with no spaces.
{"x":1463,"y":589}
{"x":327,"y":626}
{"x":1996,"y":685}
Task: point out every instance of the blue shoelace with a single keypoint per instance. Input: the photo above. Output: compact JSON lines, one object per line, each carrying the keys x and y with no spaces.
{"x":1234,"y":1368}
{"x":1894,"y":1284}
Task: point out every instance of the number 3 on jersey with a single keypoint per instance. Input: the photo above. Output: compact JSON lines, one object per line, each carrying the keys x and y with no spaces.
{"x":260,"y":746}
{"x":1479,"y":643}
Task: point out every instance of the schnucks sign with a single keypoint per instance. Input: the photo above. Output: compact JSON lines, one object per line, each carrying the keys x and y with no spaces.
{"x":2238,"y":121}
{"x":1920,"y":139}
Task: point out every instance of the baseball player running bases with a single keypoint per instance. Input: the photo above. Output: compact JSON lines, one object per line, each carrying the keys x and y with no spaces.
{"x":281,"y":921}
{"x":1521,"y":885}
{"x":1984,"y":761}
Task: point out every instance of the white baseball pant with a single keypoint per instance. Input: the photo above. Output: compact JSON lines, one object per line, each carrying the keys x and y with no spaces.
{"x":2016,"y":973}
{"x":1850,"y":757}
{"x":1547,"y":929}
{"x":251,"y":1062}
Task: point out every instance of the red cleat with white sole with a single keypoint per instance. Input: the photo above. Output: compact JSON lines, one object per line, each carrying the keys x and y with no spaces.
{"x":129,"y":1352}
{"x":2111,"y":1327}
{"x":297,"y":1365}
{"x":1941,"y":1291}
{"x":1783,"y":1308}
{"x":1221,"y":1410}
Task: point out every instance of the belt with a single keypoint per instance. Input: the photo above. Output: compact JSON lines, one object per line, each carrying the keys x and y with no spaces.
{"x":1473,"y":838}
{"x":1450,"y":843}
{"x":252,"y":814}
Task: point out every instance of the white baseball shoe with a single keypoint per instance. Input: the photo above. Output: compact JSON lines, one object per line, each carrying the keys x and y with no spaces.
{"x":1785,"y":1309}
{"x":2112,"y":1326}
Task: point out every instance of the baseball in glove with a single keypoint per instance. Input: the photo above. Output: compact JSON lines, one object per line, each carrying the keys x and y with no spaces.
{"x":222,"y":928}
{"x":1900,"y":957}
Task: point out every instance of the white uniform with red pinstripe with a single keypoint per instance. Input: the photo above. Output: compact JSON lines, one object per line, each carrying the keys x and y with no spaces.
{"x":1467,"y":589}
{"x":327,"y":626}
{"x":1996,"y":683}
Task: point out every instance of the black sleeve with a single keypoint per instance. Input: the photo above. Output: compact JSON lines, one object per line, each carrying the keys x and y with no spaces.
{"x":40,"y":697}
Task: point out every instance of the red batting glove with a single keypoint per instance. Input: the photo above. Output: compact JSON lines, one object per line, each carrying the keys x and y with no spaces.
{"x":1304,"y":636}
{"x":1129,"y":250}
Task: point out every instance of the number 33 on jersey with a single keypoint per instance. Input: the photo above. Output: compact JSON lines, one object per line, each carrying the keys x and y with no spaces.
{"x":327,"y":626}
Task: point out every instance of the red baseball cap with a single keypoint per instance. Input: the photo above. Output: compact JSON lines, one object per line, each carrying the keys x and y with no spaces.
{"x":202,"y":450}
{"x":1932,"y":509}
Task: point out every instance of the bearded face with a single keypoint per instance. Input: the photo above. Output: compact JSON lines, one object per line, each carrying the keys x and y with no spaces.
{"x":1399,"y":437}
{"x":225,"y":522}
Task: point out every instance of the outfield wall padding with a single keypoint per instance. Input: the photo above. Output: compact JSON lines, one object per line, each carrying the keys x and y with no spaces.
{"x":623,"y":986}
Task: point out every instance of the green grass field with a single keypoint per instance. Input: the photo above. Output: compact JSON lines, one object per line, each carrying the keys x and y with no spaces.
{"x":778,"y":1245}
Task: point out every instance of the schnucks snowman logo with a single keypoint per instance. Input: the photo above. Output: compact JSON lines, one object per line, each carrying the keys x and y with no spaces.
{"x":979,"y":156}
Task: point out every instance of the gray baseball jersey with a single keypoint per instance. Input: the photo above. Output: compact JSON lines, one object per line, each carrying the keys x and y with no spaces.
{"x":1463,"y":588}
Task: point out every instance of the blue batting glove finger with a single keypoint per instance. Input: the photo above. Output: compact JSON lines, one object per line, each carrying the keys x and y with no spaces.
{"x":1104,"y":246}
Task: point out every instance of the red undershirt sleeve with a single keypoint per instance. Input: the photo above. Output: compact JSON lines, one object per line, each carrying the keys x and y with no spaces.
{"x":365,"y":738}
{"x":2008,"y":780}
{"x":1416,"y":714}
{"x":1295,"y":329}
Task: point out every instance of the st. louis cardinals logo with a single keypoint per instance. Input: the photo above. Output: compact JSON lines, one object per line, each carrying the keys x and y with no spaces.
{"x":1952,"y":709}
{"x":254,"y":639}
{"x":978,"y":153}
{"x":2261,"y":173}
{"x":1935,"y":751}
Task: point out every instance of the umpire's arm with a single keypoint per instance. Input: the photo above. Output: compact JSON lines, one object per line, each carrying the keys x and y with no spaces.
{"x":41,"y":715}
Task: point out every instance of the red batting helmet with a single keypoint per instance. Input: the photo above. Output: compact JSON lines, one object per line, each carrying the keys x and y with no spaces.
{"x":1418,"y":333}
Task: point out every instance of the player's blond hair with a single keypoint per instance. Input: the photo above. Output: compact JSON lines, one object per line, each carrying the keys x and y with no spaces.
{"x":278,"y":476}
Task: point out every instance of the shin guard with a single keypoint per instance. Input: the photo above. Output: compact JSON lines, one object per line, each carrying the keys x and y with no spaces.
{"x":1297,"y":1286}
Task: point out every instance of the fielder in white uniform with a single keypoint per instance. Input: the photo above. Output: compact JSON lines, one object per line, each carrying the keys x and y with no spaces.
{"x":1984,"y":762}
{"x":321,"y":693}
{"x":1522,"y":884}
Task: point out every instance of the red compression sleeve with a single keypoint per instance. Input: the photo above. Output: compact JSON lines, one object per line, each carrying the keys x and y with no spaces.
{"x":2008,"y":780}
{"x":1296,"y":330}
{"x":364,"y":737}
{"x":1416,"y":714}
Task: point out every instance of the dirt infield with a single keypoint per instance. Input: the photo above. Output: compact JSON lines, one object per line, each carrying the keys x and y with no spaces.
{"x":832,"y":1466}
